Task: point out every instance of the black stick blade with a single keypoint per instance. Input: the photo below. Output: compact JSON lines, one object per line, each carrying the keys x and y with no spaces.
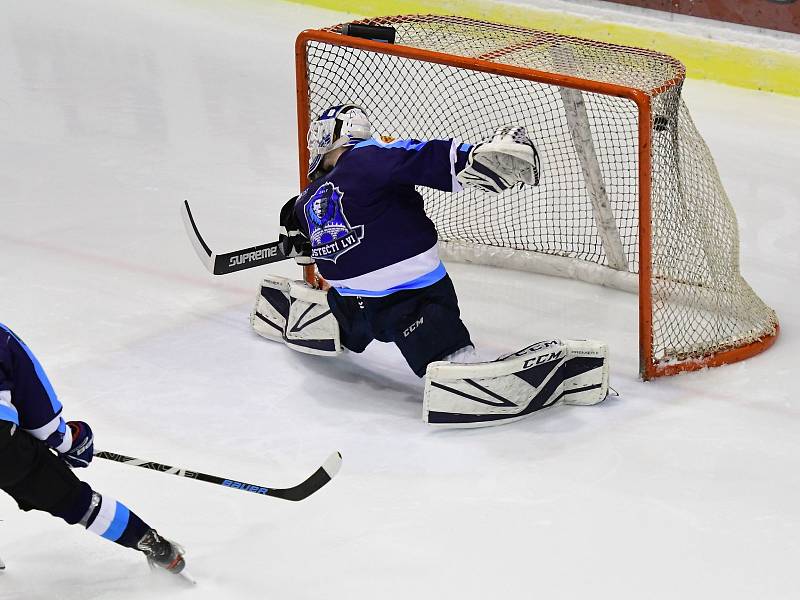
{"x":228,"y":262}
{"x":319,"y":478}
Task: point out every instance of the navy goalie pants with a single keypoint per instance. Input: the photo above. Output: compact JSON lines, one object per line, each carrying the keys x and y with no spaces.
{"x":424,"y":323}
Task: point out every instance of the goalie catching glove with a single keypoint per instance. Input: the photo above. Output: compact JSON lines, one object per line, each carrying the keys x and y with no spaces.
{"x":293,"y":241}
{"x":509,"y":157}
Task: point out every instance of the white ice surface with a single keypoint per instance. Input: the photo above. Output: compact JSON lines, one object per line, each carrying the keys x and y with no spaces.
{"x":112,"y":113}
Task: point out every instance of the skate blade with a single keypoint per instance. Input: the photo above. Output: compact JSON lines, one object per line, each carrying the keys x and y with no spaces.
{"x":187,"y":578}
{"x":182,"y":578}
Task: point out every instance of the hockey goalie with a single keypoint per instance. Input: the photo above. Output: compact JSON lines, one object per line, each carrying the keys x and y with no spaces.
{"x":363,"y":223}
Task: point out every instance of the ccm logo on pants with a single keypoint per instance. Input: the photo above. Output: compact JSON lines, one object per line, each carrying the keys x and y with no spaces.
{"x":410,"y":329}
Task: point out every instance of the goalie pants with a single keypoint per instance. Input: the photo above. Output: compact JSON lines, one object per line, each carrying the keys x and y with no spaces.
{"x":39,"y":480}
{"x":424,"y":323}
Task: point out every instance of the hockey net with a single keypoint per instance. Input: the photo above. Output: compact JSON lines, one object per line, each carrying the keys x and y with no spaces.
{"x":630,"y":196}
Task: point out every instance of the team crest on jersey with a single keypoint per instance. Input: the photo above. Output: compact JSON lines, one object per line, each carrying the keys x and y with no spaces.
{"x":331,"y":235}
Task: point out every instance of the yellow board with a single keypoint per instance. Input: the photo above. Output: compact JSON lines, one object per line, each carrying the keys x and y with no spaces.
{"x":742,"y":66}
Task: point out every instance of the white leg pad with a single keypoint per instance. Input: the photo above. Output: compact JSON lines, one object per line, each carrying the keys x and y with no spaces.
{"x":271,"y":310}
{"x":492,"y":393}
{"x":516,"y":385}
{"x":311,"y":326}
{"x":586,"y":372}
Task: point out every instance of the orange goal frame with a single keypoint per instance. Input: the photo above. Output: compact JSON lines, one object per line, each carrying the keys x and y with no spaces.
{"x":648,"y":368}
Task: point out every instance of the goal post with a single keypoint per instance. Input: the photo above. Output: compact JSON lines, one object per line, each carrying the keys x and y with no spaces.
{"x":630,"y":196}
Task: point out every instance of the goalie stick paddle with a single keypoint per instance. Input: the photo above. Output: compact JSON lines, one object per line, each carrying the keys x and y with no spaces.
{"x":229,"y":262}
{"x":298,"y":492}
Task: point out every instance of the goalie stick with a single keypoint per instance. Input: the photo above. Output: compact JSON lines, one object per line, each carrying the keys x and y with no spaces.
{"x":229,"y":262}
{"x":298,"y":492}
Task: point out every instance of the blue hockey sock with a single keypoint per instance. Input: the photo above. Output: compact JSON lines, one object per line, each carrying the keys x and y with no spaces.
{"x":114,"y":521}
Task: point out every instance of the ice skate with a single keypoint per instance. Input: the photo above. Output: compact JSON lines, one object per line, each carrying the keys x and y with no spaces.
{"x":162,"y":553}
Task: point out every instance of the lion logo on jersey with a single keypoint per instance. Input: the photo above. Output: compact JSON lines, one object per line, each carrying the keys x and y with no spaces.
{"x":331,"y":235}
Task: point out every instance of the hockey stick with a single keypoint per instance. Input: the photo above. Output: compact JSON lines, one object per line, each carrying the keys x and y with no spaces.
{"x":298,"y":492}
{"x":229,"y":262}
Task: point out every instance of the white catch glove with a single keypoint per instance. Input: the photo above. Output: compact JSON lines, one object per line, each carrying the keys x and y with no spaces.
{"x":509,"y":157}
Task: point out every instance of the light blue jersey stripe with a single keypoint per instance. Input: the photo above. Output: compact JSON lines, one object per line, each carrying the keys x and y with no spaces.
{"x":413,"y":145}
{"x":39,"y":373}
{"x":415,"y":284}
{"x":118,"y":524}
{"x":9,"y":413}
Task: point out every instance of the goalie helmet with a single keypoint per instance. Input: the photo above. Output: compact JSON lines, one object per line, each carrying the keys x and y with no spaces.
{"x":338,"y":126}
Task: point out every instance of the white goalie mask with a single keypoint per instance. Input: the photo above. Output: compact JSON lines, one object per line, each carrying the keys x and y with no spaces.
{"x":338,"y":126}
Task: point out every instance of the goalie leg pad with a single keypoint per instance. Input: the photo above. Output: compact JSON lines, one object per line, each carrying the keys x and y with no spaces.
{"x":311,"y":327}
{"x":271,"y":310}
{"x":292,"y":312}
{"x":515,"y":386}
{"x":586,"y":372}
{"x":505,"y":390}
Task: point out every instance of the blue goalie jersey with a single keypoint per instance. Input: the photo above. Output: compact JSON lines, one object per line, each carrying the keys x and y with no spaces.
{"x":369,"y":232}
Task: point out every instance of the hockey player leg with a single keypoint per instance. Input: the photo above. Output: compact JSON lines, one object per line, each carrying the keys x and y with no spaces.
{"x":311,"y":326}
{"x":39,"y":480}
{"x":514,"y":386}
{"x":112,"y":520}
{"x":271,"y":310}
{"x":115,"y":522}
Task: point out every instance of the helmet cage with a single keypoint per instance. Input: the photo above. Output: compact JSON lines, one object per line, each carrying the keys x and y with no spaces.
{"x":338,"y":126}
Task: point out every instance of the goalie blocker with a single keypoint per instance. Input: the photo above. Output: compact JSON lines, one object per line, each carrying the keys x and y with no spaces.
{"x":516,"y":385}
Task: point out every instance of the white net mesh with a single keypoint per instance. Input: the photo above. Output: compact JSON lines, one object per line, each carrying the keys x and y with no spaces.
{"x":589,"y":144}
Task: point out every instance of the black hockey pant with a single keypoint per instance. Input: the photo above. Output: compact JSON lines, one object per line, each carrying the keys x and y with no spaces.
{"x":36,"y":478}
{"x":39,"y":480}
{"x":425,"y":323}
